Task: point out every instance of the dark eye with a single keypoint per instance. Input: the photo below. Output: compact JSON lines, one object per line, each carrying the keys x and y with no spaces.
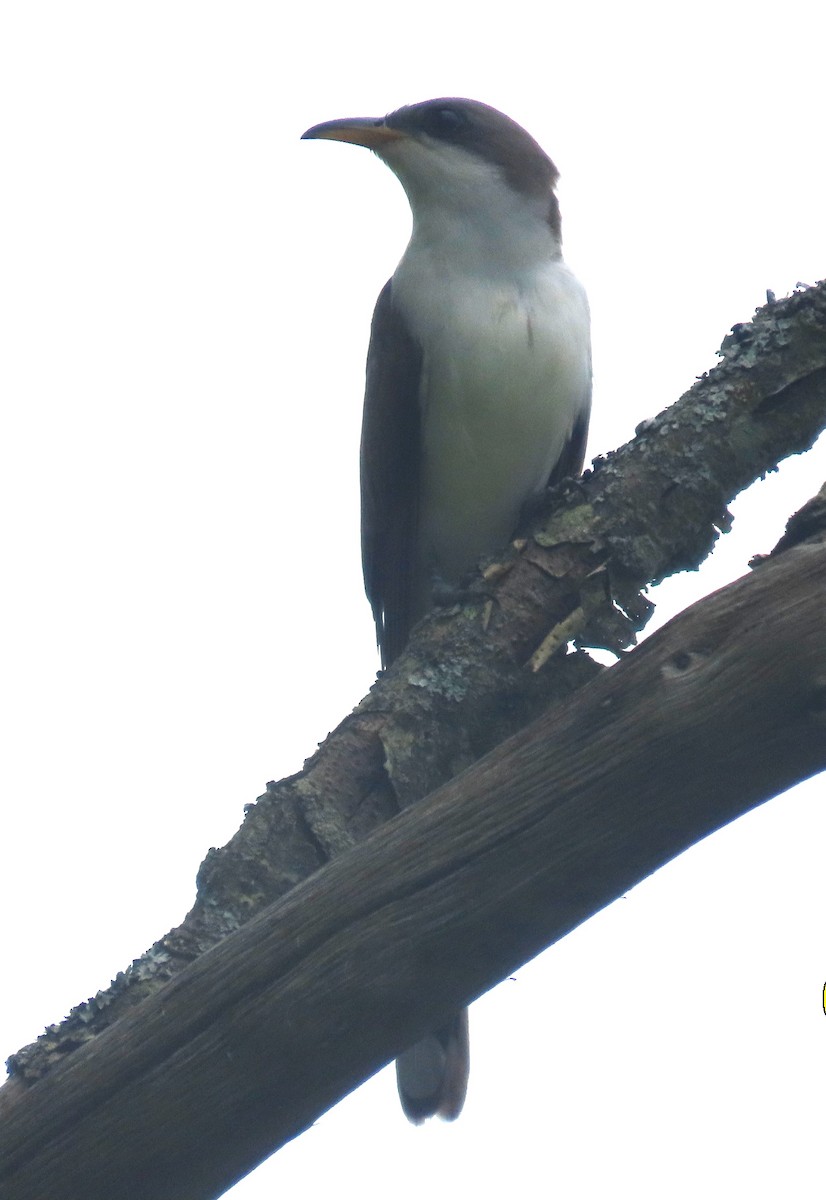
{"x":445,"y":122}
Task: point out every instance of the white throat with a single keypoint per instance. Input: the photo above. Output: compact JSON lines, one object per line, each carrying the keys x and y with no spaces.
{"x":464,"y":209}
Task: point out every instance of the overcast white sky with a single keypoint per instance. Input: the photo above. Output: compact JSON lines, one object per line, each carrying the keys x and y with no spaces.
{"x":186,"y":291}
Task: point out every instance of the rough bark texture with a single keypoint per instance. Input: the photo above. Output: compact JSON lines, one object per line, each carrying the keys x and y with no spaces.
{"x":721,"y":709}
{"x":653,"y":507}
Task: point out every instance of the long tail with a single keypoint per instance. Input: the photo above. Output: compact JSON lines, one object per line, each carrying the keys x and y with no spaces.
{"x":432,"y":1075}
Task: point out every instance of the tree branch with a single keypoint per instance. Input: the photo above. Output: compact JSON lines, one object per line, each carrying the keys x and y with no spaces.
{"x":723,"y":708}
{"x":653,"y":507}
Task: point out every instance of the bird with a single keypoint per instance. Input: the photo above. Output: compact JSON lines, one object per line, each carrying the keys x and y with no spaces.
{"x":478,"y":397}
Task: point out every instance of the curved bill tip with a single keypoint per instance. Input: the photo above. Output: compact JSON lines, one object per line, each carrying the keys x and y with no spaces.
{"x":371,"y":132}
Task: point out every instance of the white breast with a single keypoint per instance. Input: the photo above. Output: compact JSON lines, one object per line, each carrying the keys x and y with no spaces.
{"x":506,"y":373}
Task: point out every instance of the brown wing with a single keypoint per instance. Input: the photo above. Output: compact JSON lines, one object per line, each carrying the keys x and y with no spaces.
{"x":390,"y":471}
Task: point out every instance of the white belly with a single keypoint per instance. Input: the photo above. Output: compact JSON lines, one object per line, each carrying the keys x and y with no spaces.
{"x":506,"y":372}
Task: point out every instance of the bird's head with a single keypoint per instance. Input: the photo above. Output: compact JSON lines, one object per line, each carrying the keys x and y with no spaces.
{"x":457,"y":154}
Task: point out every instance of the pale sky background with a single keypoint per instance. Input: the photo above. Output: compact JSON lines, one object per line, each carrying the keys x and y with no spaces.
{"x":186,"y":291}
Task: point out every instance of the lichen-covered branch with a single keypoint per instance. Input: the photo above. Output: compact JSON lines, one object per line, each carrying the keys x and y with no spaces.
{"x":653,"y":507}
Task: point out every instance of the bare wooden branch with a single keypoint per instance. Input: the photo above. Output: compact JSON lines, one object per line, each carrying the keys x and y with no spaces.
{"x":722,"y":709}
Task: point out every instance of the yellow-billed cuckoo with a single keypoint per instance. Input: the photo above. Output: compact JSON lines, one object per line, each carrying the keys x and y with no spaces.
{"x":478,"y":395}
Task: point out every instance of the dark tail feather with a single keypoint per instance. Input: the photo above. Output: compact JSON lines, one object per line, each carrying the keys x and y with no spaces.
{"x":432,"y":1075}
